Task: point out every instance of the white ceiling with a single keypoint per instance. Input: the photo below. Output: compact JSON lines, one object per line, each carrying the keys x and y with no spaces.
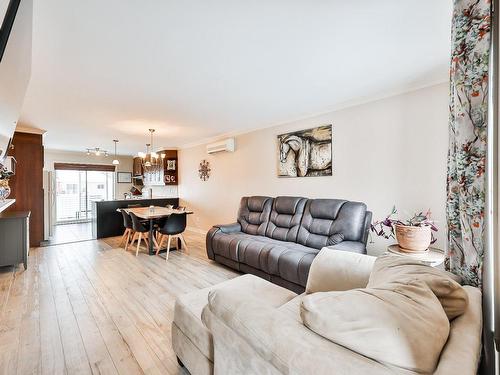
{"x":197,"y":69}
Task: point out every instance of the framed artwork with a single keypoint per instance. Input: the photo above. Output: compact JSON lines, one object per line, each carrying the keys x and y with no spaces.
{"x":124,"y":177}
{"x":171,"y":164}
{"x":305,"y":153}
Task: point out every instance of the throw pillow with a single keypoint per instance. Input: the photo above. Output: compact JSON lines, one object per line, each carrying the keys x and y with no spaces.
{"x":399,"y":325}
{"x":390,"y":269}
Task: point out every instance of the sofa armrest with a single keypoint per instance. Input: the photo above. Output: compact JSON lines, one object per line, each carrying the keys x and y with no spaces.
{"x":352,"y":246}
{"x":336,"y":270}
{"x":229,"y":228}
{"x":259,"y":333}
{"x":462,"y":352}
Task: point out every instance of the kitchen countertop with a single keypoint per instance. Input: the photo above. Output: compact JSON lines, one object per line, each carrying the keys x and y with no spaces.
{"x":6,"y":204}
{"x":108,"y":222}
{"x":134,"y":199}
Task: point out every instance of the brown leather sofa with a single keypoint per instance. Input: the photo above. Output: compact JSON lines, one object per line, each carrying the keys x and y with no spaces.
{"x":278,"y":238}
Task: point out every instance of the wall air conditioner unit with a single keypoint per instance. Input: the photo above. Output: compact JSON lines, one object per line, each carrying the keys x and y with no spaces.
{"x":226,"y":145}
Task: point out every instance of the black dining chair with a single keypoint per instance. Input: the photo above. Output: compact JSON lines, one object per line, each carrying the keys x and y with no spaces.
{"x":142,"y":229}
{"x":129,"y":233}
{"x":173,"y":228}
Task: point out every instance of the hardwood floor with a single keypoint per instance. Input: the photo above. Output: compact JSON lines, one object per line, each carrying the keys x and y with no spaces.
{"x":67,"y":233}
{"x":92,"y":308}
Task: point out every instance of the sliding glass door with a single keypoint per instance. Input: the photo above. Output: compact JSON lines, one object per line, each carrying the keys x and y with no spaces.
{"x":76,"y":189}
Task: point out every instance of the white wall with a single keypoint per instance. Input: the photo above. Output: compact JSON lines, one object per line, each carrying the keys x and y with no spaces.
{"x":386,"y":152}
{"x":56,"y":156}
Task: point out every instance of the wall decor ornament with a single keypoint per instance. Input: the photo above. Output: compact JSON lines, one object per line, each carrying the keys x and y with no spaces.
{"x":468,"y":128}
{"x":4,"y":190}
{"x":204,"y":170}
{"x":171,"y":164}
{"x":5,"y":174}
{"x":305,"y":153}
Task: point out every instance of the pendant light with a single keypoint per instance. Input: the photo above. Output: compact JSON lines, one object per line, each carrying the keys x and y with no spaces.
{"x":150,"y":158}
{"x":147,"y":162}
{"x":116,"y":161}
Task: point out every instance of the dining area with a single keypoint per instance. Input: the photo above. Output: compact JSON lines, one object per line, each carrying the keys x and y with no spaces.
{"x":159,"y":228}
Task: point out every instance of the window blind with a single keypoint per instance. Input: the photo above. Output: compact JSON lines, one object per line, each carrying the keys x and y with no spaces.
{"x":84,"y":167}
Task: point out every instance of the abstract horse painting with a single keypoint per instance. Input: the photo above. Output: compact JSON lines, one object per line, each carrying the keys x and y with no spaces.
{"x":306,"y":153}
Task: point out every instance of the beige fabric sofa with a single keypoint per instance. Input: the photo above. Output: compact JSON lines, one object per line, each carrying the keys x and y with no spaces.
{"x":250,"y":326}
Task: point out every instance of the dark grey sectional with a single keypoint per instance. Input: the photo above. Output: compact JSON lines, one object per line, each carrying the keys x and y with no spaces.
{"x":278,"y":238}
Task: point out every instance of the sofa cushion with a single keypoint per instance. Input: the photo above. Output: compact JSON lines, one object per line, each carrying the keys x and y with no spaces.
{"x":226,"y":244}
{"x":254,"y":251}
{"x":292,"y":265}
{"x":325,"y":219}
{"x":188,"y":307}
{"x":462,"y":352}
{"x":336,"y":270}
{"x":253,"y":214}
{"x":285,"y":218}
{"x":250,"y":332}
{"x":451,"y":295}
{"x":279,"y":258}
{"x":290,"y":261}
{"x":400,"y":325}
{"x":292,"y":308}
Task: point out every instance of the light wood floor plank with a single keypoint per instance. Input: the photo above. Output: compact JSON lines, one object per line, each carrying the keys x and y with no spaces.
{"x":139,"y":346}
{"x":92,"y":308}
{"x":118,"y":348}
{"x":97,"y":352}
{"x":52,"y":355}
{"x":10,"y":325}
{"x":75,"y":357}
{"x":6,"y":280}
{"x":128,"y":292}
{"x":29,"y":351}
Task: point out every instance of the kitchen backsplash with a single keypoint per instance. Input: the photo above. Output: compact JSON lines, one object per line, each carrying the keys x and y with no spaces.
{"x":170,"y":191}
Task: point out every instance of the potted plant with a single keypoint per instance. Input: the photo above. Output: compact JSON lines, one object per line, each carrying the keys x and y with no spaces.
{"x":413,"y":234}
{"x":4,"y":182}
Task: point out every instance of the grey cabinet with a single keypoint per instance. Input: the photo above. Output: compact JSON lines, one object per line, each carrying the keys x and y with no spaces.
{"x":14,"y":238}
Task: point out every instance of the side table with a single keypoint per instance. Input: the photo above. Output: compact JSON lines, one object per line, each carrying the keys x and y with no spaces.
{"x":433,"y":257}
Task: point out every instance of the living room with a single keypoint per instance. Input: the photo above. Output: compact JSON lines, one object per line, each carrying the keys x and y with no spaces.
{"x":266,"y":188}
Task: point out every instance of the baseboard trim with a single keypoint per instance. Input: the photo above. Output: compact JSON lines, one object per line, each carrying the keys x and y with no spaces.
{"x":196,"y":230}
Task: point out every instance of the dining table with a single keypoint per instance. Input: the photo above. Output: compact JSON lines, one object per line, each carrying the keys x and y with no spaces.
{"x":151,"y":214}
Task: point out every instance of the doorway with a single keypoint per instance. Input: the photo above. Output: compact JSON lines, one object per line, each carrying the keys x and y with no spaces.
{"x":74,"y":190}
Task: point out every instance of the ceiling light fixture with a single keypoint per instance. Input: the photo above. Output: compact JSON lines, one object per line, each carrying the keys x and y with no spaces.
{"x":96,"y":151}
{"x":152,"y":164}
{"x":151,"y":158}
{"x":147,"y":156}
{"x":116,"y":161}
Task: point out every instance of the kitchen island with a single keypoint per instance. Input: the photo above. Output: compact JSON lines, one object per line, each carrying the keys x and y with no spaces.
{"x":108,"y":222}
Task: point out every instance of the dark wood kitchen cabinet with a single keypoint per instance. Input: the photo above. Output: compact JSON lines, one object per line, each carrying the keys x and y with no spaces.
{"x":137,"y":167}
{"x":171,"y":167}
{"x":27,"y":184}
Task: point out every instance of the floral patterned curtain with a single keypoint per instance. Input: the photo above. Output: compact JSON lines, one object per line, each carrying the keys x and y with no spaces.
{"x":468,"y":124}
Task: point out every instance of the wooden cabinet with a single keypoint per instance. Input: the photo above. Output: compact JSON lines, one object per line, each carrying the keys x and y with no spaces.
{"x":137,"y":167}
{"x":14,"y":238}
{"x":170,"y":167}
{"x":27,"y":184}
